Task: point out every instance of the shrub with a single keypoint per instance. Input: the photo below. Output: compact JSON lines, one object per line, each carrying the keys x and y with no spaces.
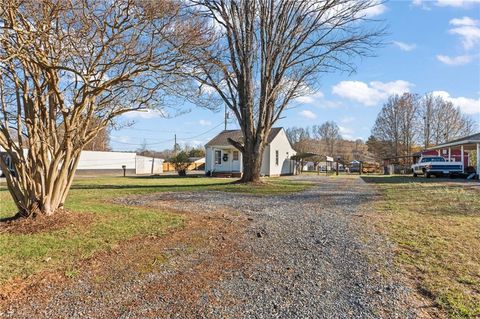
{"x":181,"y":162}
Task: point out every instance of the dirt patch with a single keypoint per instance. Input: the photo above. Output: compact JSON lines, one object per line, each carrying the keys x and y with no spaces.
{"x":180,"y":267}
{"x":44,"y":224}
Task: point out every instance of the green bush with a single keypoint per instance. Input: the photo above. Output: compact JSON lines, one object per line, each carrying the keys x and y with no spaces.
{"x":181,"y":162}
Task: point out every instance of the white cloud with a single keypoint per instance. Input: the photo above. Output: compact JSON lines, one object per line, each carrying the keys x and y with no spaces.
{"x":469,"y":32}
{"x":456,"y":60}
{"x":404,"y":46}
{"x":464,"y":21}
{"x":347,"y":119}
{"x":370,"y":94}
{"x":204,"y":123}
{"x":444,"y":3}
{"x":317,"y":99}
{"x":456,"y":3}
{"x":145,"y":114}
{"x":466,"y":105}
{"x":470,"y":35}
{"x":420,"y":3}
{"x":376,"y":10}
{"x":310,"y":99}
{"x":308,"y":114}
{"x":346,"y":132}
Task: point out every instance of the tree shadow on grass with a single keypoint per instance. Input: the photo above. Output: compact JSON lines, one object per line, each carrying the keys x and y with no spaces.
{"x":161,"y":186}
{"x":407,"y":179}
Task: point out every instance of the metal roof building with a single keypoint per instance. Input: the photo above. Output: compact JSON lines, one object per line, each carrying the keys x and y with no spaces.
{"x":467,"y":143}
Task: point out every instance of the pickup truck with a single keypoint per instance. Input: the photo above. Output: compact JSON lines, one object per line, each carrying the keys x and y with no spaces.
{"x":437,"y":166}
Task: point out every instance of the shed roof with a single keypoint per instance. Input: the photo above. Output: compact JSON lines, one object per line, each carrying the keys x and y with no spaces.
{"x":222,"y":138}
{"x":469,"y":141}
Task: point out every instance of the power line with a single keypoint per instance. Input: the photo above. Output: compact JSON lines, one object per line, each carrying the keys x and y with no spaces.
{"x":171,"y":139}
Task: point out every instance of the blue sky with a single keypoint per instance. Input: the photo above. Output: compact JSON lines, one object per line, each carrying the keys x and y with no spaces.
{"x":432,"y":46}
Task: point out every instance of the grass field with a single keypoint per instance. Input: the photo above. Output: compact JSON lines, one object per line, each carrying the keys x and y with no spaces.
{"x":436,"y":225}
{"x":96,"y":224}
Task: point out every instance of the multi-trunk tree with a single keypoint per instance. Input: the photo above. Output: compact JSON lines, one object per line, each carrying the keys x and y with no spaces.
{"x":67,"y":70}
{"x":265,"y":53}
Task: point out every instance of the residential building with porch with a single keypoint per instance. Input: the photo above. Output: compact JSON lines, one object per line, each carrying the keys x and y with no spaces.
{"x":223,"y":159}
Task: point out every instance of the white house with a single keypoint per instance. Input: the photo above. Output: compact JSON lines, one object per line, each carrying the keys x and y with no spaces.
{"x":223,"y":158}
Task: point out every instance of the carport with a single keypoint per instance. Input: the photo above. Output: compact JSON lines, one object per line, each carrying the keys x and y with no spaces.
{"x":467,"y":143}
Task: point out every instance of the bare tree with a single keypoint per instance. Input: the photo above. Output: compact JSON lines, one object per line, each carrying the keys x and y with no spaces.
{"x":442,"y":121}
{"x":329,"y":133}
{"x":66,"y":64}
{"x":297,"y":135}
{"x":388,"y":125}
{"x":268,"y":52}
{"x":101,"y":142}
{"x":408,"y":109}
{"x":408,"y":120}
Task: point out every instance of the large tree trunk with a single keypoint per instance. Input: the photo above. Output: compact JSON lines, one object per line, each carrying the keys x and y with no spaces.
{"x":252,"y":150}
{"x":252,"y":165}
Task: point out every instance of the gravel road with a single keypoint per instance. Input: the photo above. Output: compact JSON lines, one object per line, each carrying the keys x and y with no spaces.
{"x":314,"y":255}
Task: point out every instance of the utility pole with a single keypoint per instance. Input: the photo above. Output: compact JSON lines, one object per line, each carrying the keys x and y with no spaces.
{"x":175,"y":145}
{"x":226,"y":117}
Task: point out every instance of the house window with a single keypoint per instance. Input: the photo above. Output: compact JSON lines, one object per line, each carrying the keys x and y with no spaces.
{"x":276,"y":158}
{"x":218,"y":157}
{"x":235,"y":155}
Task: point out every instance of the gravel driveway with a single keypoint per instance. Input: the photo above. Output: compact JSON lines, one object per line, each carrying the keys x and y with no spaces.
{"x":313,"y":256}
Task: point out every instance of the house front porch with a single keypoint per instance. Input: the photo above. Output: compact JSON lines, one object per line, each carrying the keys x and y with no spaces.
{"x":224,"y":162}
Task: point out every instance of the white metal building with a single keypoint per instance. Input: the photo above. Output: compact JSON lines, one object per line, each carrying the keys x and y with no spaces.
{"x":113,"y":163}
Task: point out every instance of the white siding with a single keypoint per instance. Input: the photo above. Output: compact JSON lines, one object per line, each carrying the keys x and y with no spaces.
{"x":144,"y":165}
{"x":281,"y":144}
{"x":224,"y":166}
{"x":265,"y":170}
{"x":92,"y":160}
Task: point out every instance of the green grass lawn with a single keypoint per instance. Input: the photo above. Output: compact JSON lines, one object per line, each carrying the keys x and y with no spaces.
{"x":24,"y":254}
{"x":436,"y":225}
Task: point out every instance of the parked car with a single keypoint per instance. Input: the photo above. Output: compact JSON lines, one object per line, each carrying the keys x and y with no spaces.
{"x":437,"y":166}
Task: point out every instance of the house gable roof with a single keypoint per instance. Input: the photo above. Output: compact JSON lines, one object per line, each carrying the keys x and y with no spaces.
{"x":222,"y":138}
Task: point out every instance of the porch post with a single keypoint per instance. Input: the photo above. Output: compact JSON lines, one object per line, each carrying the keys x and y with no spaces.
{"x":449,"y":154}
{"x":478,"y":159}
{"x":463,"y":160}
{"x":212,"y":162}
{"x":240,"y":159}
{"x":438,"y":152}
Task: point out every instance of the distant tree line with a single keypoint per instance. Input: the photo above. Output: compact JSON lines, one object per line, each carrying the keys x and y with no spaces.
{"x":410,"y":122}
{"x":326,"y":140}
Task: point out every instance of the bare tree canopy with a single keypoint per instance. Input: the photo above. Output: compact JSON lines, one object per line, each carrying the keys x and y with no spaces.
{"x":409,"y":120}
{"x":67,"y":69}
{"x":329,"y":133}
{"x":441,"y":121}
{"x":267,"y":52}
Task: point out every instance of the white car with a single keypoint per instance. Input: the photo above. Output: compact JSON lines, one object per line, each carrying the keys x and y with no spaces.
{"x":436,"y":165}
